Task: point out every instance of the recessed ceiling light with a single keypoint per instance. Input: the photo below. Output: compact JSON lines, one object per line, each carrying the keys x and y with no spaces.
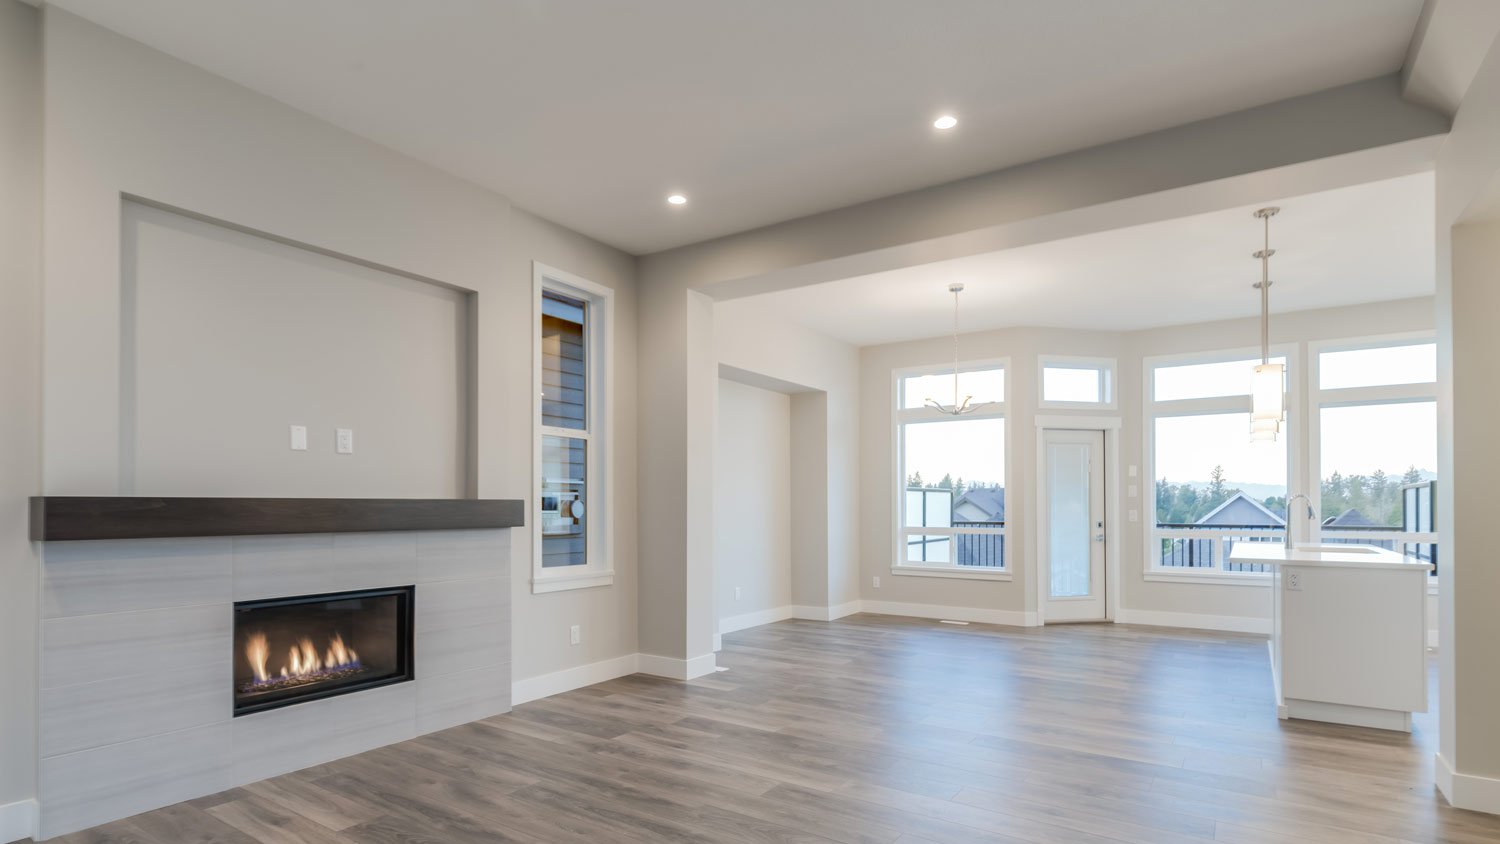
{"x":677,"y":199}
{"x":947,"y":121}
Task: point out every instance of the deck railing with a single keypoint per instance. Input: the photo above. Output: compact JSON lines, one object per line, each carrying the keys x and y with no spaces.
{"x":1206,"y":548}
{"x":951,"y":545}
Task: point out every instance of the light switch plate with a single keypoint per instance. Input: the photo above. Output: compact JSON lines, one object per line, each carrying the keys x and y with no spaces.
{"x":344,"y":440}
{"x":1135,"y":515}
{"x":1134,"y":490}
{"x":1133,"y":470}
{"x":299,"y":438}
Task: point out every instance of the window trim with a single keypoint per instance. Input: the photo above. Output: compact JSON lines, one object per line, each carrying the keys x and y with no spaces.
{"x":1319,"y":398}
{"x":1152,"y":409}
{"x":1109,"y":376}
{"x":598,"y":570}
{"x":902,"y":416}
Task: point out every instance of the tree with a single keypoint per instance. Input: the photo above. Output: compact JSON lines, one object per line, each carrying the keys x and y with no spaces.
{"x":958,"y":488}
{"x":1412,"y":476}
{"x":946,"y":482}
{"x":1216,"y":493}
{"x":915,"y":480}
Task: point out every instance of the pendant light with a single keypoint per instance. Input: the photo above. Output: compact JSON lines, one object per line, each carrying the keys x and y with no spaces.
{"x":958,"y":408}
{"x":1267,"y":397}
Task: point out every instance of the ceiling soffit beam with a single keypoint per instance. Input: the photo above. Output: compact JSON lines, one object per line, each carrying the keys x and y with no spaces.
{"x":1355,"y":133}
{"x":1451,"y":39}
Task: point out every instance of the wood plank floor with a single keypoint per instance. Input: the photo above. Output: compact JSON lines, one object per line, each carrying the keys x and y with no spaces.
{"x":876,"y":729}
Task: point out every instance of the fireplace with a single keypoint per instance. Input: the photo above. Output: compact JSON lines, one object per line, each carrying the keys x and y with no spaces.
{"x":290,"y":650}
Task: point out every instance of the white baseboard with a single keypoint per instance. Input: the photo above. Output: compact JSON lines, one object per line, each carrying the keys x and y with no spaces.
{"x":754,"y":619}
{"x":675,"y":669}
{"x":1467,"y":791}
{"x":1195,"y":621}
{"x":1013,"y":618}
{"x":827,"y":613}
{"x":17,"y":821}
{"x":536,"y":688}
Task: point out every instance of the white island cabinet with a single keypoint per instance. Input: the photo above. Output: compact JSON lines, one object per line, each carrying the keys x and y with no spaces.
{"x":1348,"y":634}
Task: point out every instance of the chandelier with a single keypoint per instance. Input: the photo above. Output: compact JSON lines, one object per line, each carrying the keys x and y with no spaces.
{"x":958,"y":408}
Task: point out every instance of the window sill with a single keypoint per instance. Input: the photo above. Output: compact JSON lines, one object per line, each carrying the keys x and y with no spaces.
{"x":950,"y":571}
{"x":1213,"y":578}
{"x":542,"y":583}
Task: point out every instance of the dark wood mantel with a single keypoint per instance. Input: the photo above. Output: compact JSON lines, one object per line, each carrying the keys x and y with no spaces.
{"x":69,"y":517}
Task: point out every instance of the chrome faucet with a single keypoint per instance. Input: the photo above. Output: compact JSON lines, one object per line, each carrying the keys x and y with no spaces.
{"x":1312,"y":515}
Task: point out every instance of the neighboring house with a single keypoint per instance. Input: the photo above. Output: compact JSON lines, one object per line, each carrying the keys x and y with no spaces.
{"x":981,"y":504}
{"x":1350,"y":518}
{"x":1239,"y":510}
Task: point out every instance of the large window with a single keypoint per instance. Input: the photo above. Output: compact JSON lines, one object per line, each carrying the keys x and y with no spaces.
{"x":1212,"y":485}
{"x":572,"y":387}
{"x":950,"y":482}
{"x":1376,"y":444}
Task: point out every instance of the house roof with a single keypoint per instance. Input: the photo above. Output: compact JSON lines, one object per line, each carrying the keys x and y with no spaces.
{"x":1351,"y":518}
{"x":990,"y":499}
{"x":1241,"y":509}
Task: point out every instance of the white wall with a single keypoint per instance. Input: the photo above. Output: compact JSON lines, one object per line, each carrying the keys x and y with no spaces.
{"x":125,"y":121}
{"x":752,"y":500}
{"x":20,"y":397}
{"x":1239,"y":607}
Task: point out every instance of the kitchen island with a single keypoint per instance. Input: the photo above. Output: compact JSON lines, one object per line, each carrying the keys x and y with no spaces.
{"x":1348,"y":634}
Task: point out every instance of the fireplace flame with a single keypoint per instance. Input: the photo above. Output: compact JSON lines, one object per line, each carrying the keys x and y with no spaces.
{"x":258,"y":650}
{"x":303,"y":660}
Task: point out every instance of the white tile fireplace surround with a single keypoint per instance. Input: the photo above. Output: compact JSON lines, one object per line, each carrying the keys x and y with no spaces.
{"x":136,"y":700}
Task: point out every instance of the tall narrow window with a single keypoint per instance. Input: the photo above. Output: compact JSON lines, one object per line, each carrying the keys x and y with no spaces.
{"x":950,"y":483}
{"x":572,"y":390}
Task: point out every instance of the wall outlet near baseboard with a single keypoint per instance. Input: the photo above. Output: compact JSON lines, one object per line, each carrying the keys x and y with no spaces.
{"x":343,"y":440}
{"x":877,"y":581}
{"x":299,"y":438}
{"x":575,"y":634}
{"x":736,"y":593}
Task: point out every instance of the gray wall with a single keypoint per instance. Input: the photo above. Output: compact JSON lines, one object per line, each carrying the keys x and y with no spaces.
{"x":20,"y":389}
{"x":230,"y":338}
{"x":125,"y":121}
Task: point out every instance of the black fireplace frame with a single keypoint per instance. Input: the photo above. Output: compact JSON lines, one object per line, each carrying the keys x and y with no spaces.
{"x":405,"y":643}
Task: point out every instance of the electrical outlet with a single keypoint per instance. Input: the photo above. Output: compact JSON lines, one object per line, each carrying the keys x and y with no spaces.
{"x":736,"y":593}
{"x":877,"y":581}
{"x":1293,"y":580}
{"x":299,"y":438}
{"x":1135,"y":515}
{"x":575,"y":634}
{"x":1133,"y":470}
{"x":344,"y":440}
{"x":1134,"y":491}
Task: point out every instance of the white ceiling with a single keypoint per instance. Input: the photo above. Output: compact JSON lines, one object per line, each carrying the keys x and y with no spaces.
{"x":590,"y":113}
{"x":1368,"y":243}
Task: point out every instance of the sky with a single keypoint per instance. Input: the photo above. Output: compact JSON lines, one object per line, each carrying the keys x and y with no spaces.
{"x":1354,"y":440}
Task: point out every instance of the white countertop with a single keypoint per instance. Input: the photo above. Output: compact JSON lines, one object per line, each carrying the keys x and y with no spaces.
{"x":1334,"y":556}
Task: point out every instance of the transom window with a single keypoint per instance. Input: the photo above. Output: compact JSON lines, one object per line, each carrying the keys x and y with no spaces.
{"x":950,"y":474}
{"x":1077,"y":382}
{"x":570,"y":529}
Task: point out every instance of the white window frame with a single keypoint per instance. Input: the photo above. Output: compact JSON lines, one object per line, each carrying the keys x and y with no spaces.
{"x":1319,"y":398}
{"x":1153,"y":569}
{"x":902,"y":416}
{"x":600,"y":415}
{"x":1108,"y":369}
